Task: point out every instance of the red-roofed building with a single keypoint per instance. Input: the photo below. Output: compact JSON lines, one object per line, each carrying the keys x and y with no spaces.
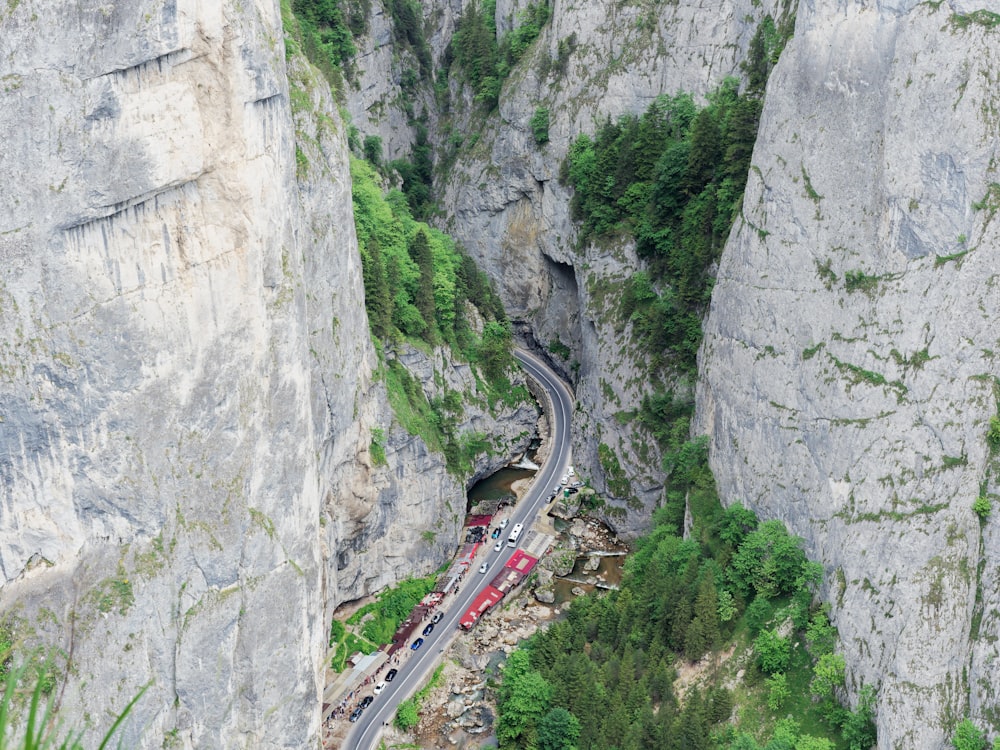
{"x":480,"y":606}
{"x":478,"y":520}
{"x":522,"y":562}
{"x":506,"y":580}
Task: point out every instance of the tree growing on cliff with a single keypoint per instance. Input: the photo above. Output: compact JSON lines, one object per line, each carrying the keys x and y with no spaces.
{"x":378,"y":298}
{"x":420,"y":251}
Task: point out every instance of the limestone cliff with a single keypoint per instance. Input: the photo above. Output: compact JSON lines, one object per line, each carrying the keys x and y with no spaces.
{"x":187,"y":385}
{"x":849,"y":366}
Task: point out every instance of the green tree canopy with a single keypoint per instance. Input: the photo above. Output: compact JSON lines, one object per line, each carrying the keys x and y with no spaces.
{"x":558,"y":730}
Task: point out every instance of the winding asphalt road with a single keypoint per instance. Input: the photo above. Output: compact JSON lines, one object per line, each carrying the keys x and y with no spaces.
{"x":417,"y":665}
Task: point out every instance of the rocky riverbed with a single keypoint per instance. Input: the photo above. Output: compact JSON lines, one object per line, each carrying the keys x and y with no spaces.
{"x":460,"y":712}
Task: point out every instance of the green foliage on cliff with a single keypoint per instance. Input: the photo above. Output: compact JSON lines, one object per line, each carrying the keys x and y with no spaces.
{"x":408,"y":31}
{"x":417,"y":173}
{"x":324,"y":30}
{"x":417,"y":280}
{"x":486,"y":60}
{"x":421,"y":287}
{"x":968,"y":736}
{"x":611,"y":664}
{"x":539,"y":125}
{"x":673,"y":178}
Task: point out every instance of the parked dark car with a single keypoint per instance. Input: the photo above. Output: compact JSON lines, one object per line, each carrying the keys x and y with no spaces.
{"x":496,"y":533}
{"x":391,"y":675}
{"x":356,"y":714}
{"x":417,"y":644}
{"x":429,"y":629}
{"x":366,"y":701}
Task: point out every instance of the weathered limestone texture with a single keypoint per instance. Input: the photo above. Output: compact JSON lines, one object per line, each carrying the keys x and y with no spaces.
{"x":849,"y":365}
{"x":159,"y":483}
{"x":187,"y":383}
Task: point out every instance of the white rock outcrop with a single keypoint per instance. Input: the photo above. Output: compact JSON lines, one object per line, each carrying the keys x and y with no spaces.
{"x":848,"y":365}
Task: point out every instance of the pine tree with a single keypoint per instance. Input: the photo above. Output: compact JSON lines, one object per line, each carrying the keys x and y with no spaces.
{"x":706,"y":152}
{"x":378,"y":300}
{"x":420,"y":251}
{"x":703,"y":633}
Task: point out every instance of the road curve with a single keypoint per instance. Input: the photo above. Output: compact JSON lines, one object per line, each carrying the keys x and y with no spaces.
{"x":415,"y":669}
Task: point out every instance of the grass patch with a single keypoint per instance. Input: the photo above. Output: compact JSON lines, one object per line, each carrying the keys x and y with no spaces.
{"x":985,"y":18}
{"x":615,"y":475}
{"x":825,"y":271}
{"x":350,"y":644}
{"x":377,"y":448}
{"x":810,"y":190}
{"x":811,"y":351}
{"x":410,"y":404}
{"x":940,"y":260}
{"x":857,"y":375}
{"x":916,"y":360}
{"x":859,"y":281}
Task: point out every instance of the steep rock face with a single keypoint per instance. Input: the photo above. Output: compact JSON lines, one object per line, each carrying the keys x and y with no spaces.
{"x":187,"y":388}
{"x":161,"y":421}
{"x":593,"y":61}
{"x":159,"y":489}
{"x":382,"y":92}
{"x":849,"y":362}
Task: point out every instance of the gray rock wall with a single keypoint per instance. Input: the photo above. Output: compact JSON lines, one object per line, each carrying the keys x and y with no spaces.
{"x":849,"y":361}
{"x":187,"y":384}
{"x":159,"y":488}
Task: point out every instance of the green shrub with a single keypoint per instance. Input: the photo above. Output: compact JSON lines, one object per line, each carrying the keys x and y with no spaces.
{"x":859,"y":281}
{"x":777,"y":691}
{"x":759,"y":613}
{"x":773,"y":652}
{"x":821,"y":635}
{"x":968,"y":736}
{"x":539,"y":125}
{"x":407,"y":716}
{"x":377,"y":449}
{"x":560,"y":349}
{"x":828,"y":674}
{"x":993,"y":435}
{"x":373,"y":149}
{"x":983,"y":506}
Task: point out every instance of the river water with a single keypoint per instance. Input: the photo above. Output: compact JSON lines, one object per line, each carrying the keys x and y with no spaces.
{"x":496,"y":485}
